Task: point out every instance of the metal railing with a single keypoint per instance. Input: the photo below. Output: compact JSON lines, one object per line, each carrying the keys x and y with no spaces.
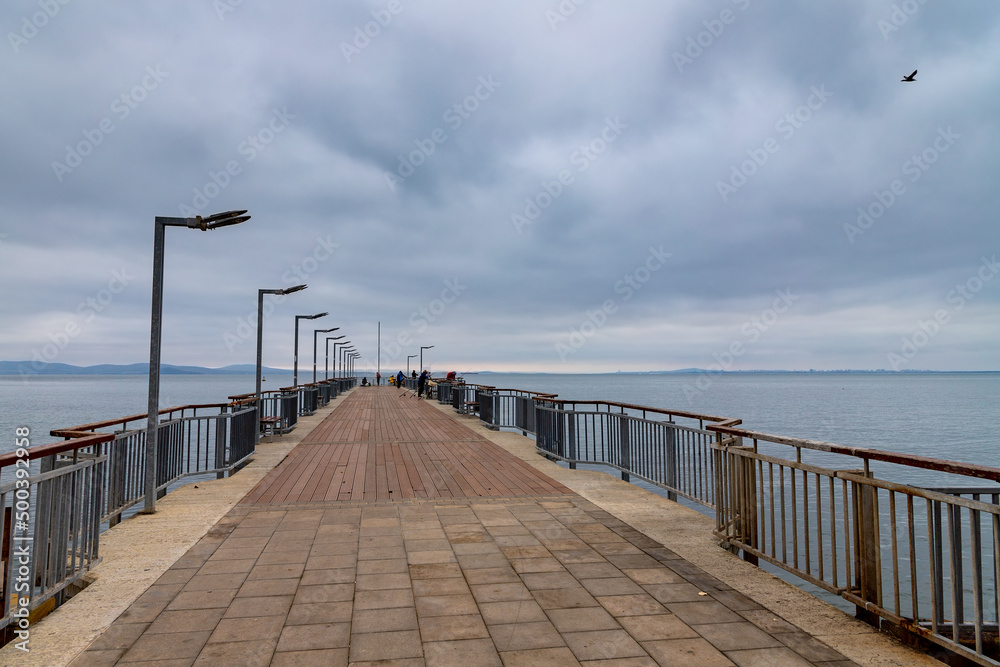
{"x":924,"y":559}
{"x":49,"y":522}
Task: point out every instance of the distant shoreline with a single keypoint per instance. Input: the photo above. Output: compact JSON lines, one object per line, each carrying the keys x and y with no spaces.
{"x":27,"y":368}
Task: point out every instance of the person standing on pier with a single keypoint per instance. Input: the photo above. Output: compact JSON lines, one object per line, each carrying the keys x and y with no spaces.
{"x":400,"y":382}
{"x":378,"y":379}
{"x":421,"y":384}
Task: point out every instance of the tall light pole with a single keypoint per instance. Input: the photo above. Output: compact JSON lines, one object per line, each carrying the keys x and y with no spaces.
{"x":295,"y":366}
{"x":335,"y":352}
{"x":354,"y":356}
{"x":153,"y":406}
{"x":326,"y":365}
{"x":425,"y":347}
{"x":408,"y":357}
{"x":316,"y":332}
{"x":343,"y":358}
{"x":260,"y":337}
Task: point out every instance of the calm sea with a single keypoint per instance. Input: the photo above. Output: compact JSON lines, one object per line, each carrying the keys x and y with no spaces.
{"x":940,"y":415}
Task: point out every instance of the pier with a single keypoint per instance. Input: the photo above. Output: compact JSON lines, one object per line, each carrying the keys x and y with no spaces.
{"x":397,"y":532}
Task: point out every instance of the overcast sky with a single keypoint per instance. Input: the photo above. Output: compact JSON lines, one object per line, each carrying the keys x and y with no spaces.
{"x":526,"y":185}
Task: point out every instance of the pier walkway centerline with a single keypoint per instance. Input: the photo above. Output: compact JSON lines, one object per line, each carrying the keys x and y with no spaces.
{"x":394,"y":534}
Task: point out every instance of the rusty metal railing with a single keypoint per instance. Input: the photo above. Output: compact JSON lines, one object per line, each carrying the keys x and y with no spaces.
{"x":924,"y":559}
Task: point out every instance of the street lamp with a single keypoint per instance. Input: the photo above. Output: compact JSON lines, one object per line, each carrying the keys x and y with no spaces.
{"x":295,"y":366}
{"x":408,"y":363}
{"x":326,"y":365}
{"x":354,"y":356}
{"x":425,"y":347}
{"x":316,"y":332}
{"x":343,"y":358}
{"x":260,"y":337}
{"x":153,"y":406}
{"x":345,"y":343}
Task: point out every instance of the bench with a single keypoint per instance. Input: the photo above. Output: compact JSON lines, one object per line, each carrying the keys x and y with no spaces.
{"x":269,"y":425}
{"x":471,"y":408}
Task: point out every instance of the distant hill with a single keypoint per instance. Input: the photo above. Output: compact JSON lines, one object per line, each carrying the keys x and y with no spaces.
{"x":34,"y":368}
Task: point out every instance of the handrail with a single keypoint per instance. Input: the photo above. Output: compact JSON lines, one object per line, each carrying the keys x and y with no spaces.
{"x":911,"y":460}
{"x":41,"y":451}
{"x":73,"y":431}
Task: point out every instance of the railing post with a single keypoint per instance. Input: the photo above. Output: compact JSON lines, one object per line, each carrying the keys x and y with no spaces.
{"x":748,"y":500}
{"x":570,"y":449}
{"x":670,"y":452}
{"x":221,"y":424}
{"x":866,"y":551}
{"x":625,"y":455}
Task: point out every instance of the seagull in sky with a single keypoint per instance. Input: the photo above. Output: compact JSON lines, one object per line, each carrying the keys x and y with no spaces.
{"x":911,"y":78}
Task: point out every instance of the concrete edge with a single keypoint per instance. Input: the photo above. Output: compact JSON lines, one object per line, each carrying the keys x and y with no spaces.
{"x":689,"y":534}
{"x":136,"y":552}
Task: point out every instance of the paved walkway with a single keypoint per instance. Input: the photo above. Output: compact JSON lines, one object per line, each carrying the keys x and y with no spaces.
{"x":475,"y":558}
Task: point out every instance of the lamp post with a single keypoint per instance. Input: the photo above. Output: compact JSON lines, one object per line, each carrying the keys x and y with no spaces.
{"x":335,"y":352}
{"x":316,"y":332}
{"x":408,"y":363}
{"x":425,"y":347}
{"x":153,"y":406}
{"x":354,"y":357}
{"x":260,"y":338}
{"x":343,"y":358}
{"x":326,"y":364}
{"x":295,"y":366}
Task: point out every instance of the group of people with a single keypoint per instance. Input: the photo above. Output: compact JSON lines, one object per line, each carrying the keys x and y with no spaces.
{"x":399,"y":380}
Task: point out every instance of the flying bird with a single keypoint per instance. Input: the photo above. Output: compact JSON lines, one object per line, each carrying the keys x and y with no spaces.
{"x":911,"y":78}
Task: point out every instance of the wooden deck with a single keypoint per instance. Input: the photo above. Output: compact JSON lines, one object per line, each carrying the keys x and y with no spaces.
{"x":383,"y":444}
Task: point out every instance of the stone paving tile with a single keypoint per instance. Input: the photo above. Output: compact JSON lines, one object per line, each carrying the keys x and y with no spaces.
{"x":526,"y":635}
{"x":735,"y":636}
{"x":766,"y":657}
{"x":690,"y":652}
{"x":594,"y":570}
{"x":500,"y":592}
{"x":435,"y":571}
{"x":445,"y":605}
{"x":549,"y":580}
{"x":324,"y":593}
{"x":658,"y":626}
{"x":462,"y":653}
{"x":451,"y":628}
{"x":708,"y":611}
{"x":449,"y":586}
{"x":179,"y":575}
{"x":272,"y":605}
{"x":386,"y":646}
{"x":312,"y":637}
{"x":166,"y":646}
{"x":603,"y":645}
{"x":333,"y":657}
{"x":582,"y":619}
{"x":611,"y":586}
{"x":119,"y":636}
{"x":384,"y":620}
{"x":653,"y":575}
{"x":388,"y":599}
{"x":320,"y":612}
{"x":667,"y":593}
{"x":247,"y":628}
{"x":185,"y":621}
{"x":540,"y":657}
{"x":565,"y":598}
{"x":396,"y":566}
{"x":98,"y":658}
{"x":202,"y":599}
{"x":491,"y":575}
{"x":319,"y":577}
{"x":518,"y":611}
{"x":268,"y":587}
{"x":631,"y":605}
{"x":808,"y":647}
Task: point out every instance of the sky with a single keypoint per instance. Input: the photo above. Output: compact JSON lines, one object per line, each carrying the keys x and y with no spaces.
{"x":544,"y":185}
